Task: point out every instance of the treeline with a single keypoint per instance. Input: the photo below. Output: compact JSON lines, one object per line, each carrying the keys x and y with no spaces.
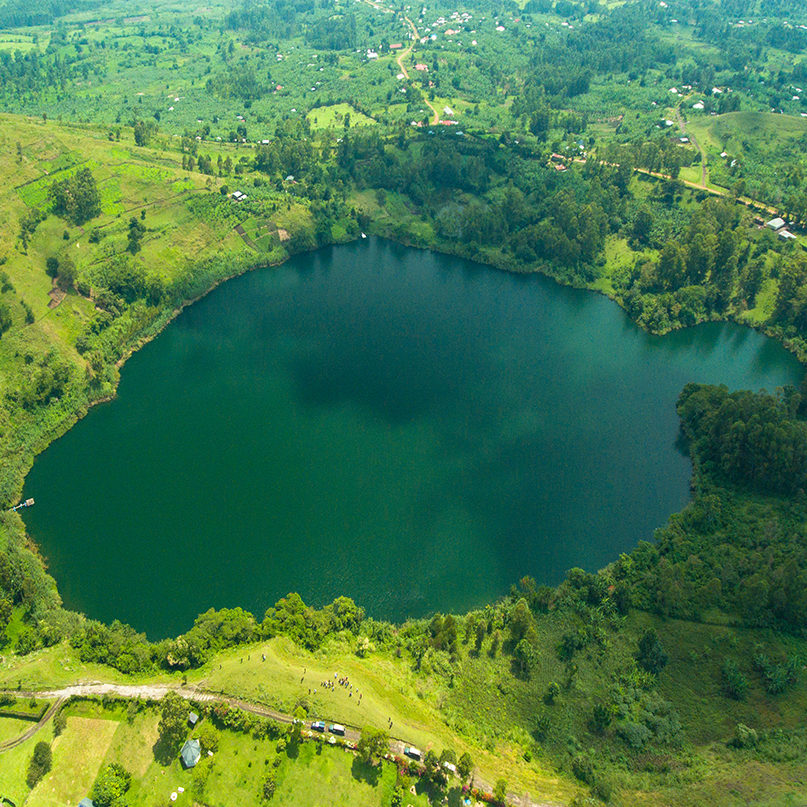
{"x":741,"y":546}
{"x":25,"y":13}
{"x":121,"y":647}
{"x":749,"y":439}
{"x":274,"y":20}
{"x":563,"y":67}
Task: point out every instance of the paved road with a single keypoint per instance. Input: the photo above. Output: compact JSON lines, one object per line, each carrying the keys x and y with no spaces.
{"x":158,"y":691}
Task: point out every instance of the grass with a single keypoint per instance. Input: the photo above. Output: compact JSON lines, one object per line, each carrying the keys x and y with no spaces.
{"x":133,"y":743}
{"x":77,"y":755}
{"x":332,"y":117}
{"x":389,"y":689}
{"x":14,"y":767}
{"x":322,"y":770}
{"x":765,"y":304}
{"x":11,"y":727}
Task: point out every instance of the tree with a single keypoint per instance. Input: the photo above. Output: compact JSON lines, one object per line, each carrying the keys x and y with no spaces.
{"x":448,"y":755}
{"x":67,"y":274}
{"x":465,"y":766}
{"x":671,"y":266}
{"x":112,"y":783}
{"x":5,"y":318}
{"x":642,"y":225}
{"x":208,"y":738}
{"x":76,"y":198}
{"x":374,"y":743}
{"x":651,"y":656}
{"x":173,"y":719}
{"x":59,"y":723}
{"x":270,"y":785}
{"x":136,"y":230}
{"x":143,"y":131}
{"x":500,"y":790}
{"x":40,"y":763}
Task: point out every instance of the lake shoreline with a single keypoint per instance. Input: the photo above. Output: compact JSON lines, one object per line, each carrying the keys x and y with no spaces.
{"x":371,"y":337}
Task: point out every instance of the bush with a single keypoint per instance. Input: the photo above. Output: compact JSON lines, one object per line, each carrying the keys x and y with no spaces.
{"x":269,"y":786}
{"x":112,"y":783}
{"x":776,"y":677}
{"x":59,"y":723}
{"x":634,"y":734}
{"x":208,"y":738}
{"x":735,"y":684}
{"x":602,"y":790}
{"x":744,"y":737}
{"x":651,"y":656}
{"x":583,"y":769}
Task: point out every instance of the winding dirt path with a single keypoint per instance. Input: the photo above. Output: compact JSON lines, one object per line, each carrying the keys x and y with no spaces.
{"x":26,"y":735}
{"x":399,"y":60}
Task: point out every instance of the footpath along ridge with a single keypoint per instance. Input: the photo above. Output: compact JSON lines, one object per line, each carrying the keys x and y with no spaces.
{"x":158,"y":691}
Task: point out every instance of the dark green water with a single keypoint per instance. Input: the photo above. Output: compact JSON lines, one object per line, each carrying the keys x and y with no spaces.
{"x":407,"y":429}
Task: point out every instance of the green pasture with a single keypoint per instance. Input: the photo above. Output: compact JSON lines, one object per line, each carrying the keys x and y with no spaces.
{"x":11,"y":727}
{"x":736,"y":131}
{"x":333,"y":117}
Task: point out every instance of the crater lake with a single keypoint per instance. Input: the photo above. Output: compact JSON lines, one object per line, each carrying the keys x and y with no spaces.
{"x":411,"y":430}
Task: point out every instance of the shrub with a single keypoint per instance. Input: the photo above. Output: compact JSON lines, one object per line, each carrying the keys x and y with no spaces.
{"x":650,"y":655}
{"x":602,"y":790}
{"x":208,"y":738}
{"x":583,"y":769}
{"x":601,"y":718}
{"x":634,"y":734}
{"x":59,"y":723}
{"x":776,"y":677}
{"x":744,"y":737}
{"x":112,"y":783}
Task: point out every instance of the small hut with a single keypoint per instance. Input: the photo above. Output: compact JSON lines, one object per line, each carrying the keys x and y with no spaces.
{"x":191,"y":753}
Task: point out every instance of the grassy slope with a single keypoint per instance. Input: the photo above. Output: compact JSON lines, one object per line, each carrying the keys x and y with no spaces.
{"x":492,"y":714}
{"x":14,"y":766}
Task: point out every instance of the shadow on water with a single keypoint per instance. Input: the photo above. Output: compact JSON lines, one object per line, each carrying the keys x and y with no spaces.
{"x":681,"y":443}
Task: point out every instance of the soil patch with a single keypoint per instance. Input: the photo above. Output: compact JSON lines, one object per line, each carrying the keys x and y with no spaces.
{"x":56,"y":296}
